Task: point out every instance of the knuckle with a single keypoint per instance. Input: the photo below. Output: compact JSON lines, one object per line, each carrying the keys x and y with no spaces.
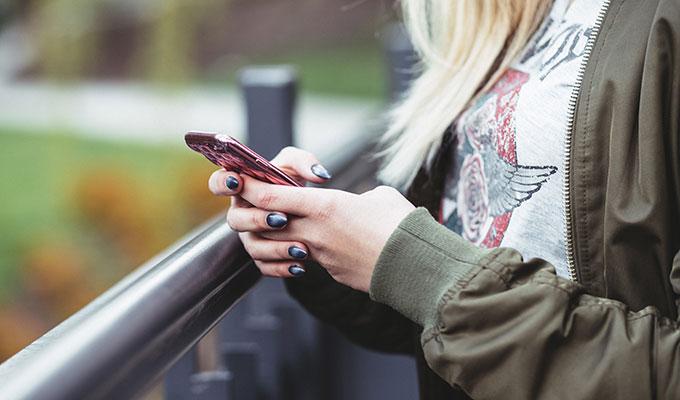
{"x":325,"y":209}
{"x":320,"y":245}
{"x":285,"y":155}
{"x":316,"y":242}
{"x":255,"y":219}
{"x":323,"y":214}
{"x":301,"y":154}
{"x":266,"y":199}
{"x":282,"y":250}
{"x":289,"y":150}
{"x":251,"y":247}
{"x":247,"y":245}
{"x":384,"y":189}
{"x":392,"y":191}
{"x":231,"y":221}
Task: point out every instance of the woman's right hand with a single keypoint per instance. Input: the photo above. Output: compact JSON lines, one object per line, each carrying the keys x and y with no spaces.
{"x":273,"y":258}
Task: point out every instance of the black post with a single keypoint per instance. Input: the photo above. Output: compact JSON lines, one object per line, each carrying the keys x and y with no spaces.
{"x":176,"y":380}
{"x":212,"y":385}
{"x":249,"y":339}
{"x":270,"y":95}
{"x":242,"y":361}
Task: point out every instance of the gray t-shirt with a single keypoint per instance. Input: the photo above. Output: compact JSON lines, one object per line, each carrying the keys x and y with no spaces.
{"x":505,"y":183}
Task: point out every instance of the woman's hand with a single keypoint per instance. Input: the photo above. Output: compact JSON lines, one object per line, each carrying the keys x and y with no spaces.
{"x":342,"y":231}
{"x":273,"y":258}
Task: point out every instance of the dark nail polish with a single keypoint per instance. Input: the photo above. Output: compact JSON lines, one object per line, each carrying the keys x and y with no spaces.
{"x":297,"y":252}
{"x":296,"y":270}
{"x":276,"y":220}
{"x":320,"y":171}
{"x":232,"y":183}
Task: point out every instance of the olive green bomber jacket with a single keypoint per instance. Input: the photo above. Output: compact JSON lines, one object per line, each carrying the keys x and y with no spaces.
{"x":500,"y":327}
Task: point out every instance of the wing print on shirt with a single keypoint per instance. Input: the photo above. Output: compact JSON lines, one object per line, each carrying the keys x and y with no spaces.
{"x":511,"y":185}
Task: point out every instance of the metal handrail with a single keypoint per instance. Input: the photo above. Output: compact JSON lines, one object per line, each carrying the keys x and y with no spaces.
{"x":119,"y":344}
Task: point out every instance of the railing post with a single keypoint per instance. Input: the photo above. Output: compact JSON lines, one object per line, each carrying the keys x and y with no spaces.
{"x":177,"y":378}
{"x":212,"y":385}
{"x":250,"y":338}
{"x":270,"y":95}
{"x":241,"y":359}
{"x":301,"y":353}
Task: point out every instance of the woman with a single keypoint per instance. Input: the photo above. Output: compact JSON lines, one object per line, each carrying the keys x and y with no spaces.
{"x":543,"y":137}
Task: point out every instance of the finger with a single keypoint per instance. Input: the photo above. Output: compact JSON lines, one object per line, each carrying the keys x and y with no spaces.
{"x":281,"y":269}
{"x":270,"y":250}
{"x":301,"y":163}
{"x":250,"y":219}
{"x":286,"y":199}
{"x":225,"y":183}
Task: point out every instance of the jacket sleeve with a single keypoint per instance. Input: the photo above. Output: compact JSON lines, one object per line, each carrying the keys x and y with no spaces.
{"x":360,"y":319}
{"x":503,"y":328}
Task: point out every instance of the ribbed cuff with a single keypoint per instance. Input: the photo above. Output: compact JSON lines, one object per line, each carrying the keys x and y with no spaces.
{"x":420,"y":262}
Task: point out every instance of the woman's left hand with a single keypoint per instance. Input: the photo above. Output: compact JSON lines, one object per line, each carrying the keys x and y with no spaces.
{"x":344,"y":232}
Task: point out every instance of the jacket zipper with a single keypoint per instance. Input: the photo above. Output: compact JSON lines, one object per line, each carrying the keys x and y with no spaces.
{"x":573,"y":102}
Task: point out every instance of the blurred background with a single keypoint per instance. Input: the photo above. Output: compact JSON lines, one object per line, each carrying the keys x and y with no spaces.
{"x":95,"y":96}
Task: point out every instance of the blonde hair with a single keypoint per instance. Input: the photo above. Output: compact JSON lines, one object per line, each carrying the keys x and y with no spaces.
{"x":464,"y":47}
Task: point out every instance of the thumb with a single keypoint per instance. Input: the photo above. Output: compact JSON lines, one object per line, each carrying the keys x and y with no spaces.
{"x":225,"y":183}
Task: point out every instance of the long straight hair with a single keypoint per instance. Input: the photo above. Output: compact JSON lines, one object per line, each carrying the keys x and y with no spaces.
{"x":465,"y":46}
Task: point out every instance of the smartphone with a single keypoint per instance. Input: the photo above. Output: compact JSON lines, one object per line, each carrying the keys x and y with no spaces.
{"x":230,"y":154}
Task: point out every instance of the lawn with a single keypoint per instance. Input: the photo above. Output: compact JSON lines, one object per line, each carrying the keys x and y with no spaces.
{"x":47,"y":178}
{"x":353,"y":69}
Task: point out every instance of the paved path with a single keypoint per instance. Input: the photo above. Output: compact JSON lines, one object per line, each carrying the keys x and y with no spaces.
{"x":125,"y":111}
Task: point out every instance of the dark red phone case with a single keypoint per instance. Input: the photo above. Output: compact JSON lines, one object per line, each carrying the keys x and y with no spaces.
{"x":230,"y":154}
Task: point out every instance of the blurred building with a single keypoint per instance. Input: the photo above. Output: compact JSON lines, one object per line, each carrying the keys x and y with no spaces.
{"x":179,"y":39}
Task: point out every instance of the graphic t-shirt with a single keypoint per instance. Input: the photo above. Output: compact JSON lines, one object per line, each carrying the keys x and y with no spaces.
{"x":505,"y":183}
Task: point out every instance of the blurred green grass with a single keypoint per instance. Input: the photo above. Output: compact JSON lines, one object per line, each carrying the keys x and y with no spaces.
{"x":354,"y":69}
{"x":350,"y":70}
{"x":38,"y":172}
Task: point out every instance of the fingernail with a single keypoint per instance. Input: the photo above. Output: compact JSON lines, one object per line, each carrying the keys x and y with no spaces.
{"x":276,"y":220}
{"x":232,"y":183}
{"x":296,"y":270}
{"x":297,"y":252}
{"x":320,"y":171}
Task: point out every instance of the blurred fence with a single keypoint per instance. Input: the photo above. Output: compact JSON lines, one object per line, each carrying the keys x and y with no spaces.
{"x":257,"y":343}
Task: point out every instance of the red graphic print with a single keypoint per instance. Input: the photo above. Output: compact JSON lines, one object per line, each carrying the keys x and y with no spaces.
{"x":507,"y":90}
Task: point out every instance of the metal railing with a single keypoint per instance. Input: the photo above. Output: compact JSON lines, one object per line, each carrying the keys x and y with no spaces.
{"x":128,"y":338}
